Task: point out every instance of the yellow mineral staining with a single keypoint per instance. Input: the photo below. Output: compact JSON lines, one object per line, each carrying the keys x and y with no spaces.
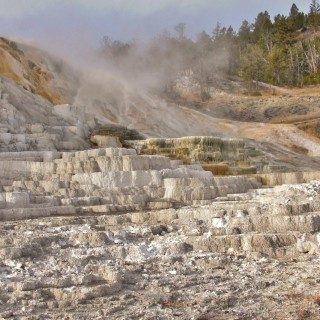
{"x":220,"y":156}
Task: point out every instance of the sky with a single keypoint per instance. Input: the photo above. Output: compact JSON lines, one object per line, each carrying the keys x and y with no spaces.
{"x":68,"y":26}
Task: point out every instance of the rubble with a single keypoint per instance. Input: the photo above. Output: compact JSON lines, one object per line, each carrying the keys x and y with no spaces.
{"x":109,"y":234}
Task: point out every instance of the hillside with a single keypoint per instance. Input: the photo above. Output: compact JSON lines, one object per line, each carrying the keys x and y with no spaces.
{"x":266,"y":120}
{"x":97,"y":222}
{"x":37,"y":71}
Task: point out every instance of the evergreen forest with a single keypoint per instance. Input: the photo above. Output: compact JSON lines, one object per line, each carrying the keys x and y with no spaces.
{"x":283,"y":50}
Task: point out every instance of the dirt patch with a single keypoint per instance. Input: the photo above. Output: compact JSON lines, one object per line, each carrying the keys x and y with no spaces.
{"x":277,"y":111}
{"x":264,"y":109}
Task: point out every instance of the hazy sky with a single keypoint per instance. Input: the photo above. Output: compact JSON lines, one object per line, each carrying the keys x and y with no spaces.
{"x":69,"y":24}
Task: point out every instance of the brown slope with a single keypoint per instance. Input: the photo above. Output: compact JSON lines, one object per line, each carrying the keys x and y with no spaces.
{"x":37,"y":71}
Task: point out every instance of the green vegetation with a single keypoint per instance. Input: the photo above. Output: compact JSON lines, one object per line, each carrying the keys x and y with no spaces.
{"x":284,"y":51}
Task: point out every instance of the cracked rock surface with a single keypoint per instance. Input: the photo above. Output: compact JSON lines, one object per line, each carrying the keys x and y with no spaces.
{"x":69,"y":251}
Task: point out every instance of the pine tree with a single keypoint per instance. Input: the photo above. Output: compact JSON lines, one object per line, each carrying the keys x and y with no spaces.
{"x":296,"y":18}
{"x":314,"y":14}
{"x":263,"y":31}
{"x":253,"y":65}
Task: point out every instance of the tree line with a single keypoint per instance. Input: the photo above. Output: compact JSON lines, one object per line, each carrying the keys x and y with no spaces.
{"x":283,"y":51}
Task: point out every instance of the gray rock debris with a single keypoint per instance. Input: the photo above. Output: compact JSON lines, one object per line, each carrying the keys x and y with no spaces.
{"x":108,"y":234}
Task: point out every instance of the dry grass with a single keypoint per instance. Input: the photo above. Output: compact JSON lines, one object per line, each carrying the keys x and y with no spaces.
{"x":312,"y":90}
{"x":311,"y":128}
{"x":174,"y":304}
{"x":303,"y":314}
{"x":294,"y":118}
{"x":216,"y":169}
{"x":301,"y":299}
{"x":294,"y":295}
{"x":314,"y":298}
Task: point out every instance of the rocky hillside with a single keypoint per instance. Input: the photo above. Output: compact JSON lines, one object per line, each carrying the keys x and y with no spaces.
{"x":40,"y":83}
{"x":38,"y":71}
{"x":94,"y":225}
{"x":280,"y":122}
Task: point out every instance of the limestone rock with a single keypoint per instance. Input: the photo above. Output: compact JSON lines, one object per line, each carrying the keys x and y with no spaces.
{"x":106,"y":233}
{"x":220,"y":156}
